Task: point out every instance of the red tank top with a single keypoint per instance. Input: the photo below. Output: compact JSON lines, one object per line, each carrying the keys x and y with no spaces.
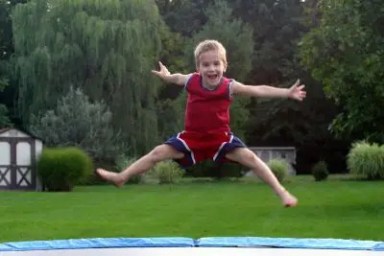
{"x":207,"y":111}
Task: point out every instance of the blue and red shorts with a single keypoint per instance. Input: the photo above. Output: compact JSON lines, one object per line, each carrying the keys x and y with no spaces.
{"x":198,"y":147}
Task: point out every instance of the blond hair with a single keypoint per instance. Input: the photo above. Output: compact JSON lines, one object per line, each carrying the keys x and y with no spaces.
{"x":209,"y":45}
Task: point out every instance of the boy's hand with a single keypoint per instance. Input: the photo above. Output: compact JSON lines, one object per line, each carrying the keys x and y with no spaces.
{"x":163,"y":73}
{"x":296,"y":91}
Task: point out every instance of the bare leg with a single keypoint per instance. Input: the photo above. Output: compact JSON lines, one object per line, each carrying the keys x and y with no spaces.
{"x":249,"y":159}
{"x":159,"y":153}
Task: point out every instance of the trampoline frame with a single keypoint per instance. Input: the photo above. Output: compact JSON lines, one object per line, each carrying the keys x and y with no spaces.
{"x":183,"y":246}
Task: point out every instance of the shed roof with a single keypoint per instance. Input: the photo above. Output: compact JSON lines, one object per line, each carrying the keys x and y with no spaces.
{"x":4,"y":130}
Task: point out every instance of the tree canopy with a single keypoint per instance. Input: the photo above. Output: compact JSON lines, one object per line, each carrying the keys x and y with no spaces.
{"x":107,"y":48}
{"x":345,"y":52}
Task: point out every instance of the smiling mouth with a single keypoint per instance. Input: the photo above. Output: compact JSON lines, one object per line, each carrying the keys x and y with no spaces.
{"x":212,"y":77}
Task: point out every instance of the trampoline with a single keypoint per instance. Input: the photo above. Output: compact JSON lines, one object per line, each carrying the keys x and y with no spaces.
{"x":181,"y":246}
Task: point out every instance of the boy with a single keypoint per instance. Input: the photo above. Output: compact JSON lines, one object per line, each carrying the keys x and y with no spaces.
{"x":207,"y":133}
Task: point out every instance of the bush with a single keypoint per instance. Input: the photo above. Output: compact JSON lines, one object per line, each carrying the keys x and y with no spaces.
{"x":217,"y":170}
{"x":320,"y":171}
{"x":279,"y":168}
{"x":201,"y":169}
{"x":167,"y":172}
{"x":78,"y":122}
{"x":228,"y":170}
{"x":62,"y":168}
{"x":122,"y":162}
{"x":366,"y":160}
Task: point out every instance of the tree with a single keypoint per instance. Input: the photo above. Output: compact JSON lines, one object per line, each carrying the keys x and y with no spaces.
{"x":184,"y":16}
{"x":75,"y":121}
{"x":277,"y":26}
{"x":170,"y":104}
{"x":106,"y":48}
{"x":6,"y":50}
{"x":345,"y":53}
{"x":4,"y":119}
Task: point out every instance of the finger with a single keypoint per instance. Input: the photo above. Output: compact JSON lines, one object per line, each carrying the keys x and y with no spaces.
{"x":161,"y":65}
{"x":294,"y":86}
{"x":301,"y":87}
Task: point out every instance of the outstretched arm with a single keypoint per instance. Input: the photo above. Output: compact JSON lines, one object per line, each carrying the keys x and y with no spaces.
{"x":296,"y":91}
{"x":164,"y":74}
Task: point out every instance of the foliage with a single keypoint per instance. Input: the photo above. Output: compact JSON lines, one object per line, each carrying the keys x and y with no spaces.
{"x":106,"y":48}
{"x":123,"y":162}
{"x":228,"y":170}
{"x":184,"y":17}
{"x":4,"y":119}
{"x":76,"y":121}
{"x":6,"y":50}
{"x":172,"y":116}
{"x":171,"y":104}
{"x":217,"y":170}
{"x":345,"y":53}
{"x":279,"y":167}
{"x":366,"y":160}
{"x":277,"y":27}
{"x":167,"y":172}
{"x":320,"y":171}
{"x":201,"y":169}
{"x":6,"y":43}
{"x":60,"y":169}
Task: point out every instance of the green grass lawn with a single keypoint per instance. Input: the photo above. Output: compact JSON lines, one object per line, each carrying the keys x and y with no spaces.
{"x":333,"y":209}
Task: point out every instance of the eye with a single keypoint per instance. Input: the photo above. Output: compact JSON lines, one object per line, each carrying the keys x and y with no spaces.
{"x":216,"y":63}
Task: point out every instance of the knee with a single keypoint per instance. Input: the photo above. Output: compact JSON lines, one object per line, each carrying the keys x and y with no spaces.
{"x":158,"y":154}
{"x":249,"y":157}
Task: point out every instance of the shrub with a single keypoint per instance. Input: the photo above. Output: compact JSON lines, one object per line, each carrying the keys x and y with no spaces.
{"x":62,"y":168}
{"x":217,"y":170}
{"x":366,"y":160}
{"x":201,"y":169}
{"x":228,"y":170}
{"x":167,"y":172}
{"x":320,"y":171}
{"x":76,"y":121}
{"x":122,"y":162}
{"x":279,"y":167}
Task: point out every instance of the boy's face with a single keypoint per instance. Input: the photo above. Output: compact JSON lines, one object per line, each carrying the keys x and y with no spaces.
{"x":211,"y":67}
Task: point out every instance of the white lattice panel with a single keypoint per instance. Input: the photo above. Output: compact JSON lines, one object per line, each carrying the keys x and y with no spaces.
{"x":5,"y":176}
{"x":23,"y":155}
{"x":23,"y":176}
{"x":5,"y":153}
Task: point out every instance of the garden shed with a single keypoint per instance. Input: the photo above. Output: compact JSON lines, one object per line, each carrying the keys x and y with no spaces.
{"x":19,"y":152}
{"x":286,"y":153}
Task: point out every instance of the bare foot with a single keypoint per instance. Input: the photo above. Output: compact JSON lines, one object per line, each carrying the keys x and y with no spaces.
{"x":288,"y":200}
{"x":111,"y":177}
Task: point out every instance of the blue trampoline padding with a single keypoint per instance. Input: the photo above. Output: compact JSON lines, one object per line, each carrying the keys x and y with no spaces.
{"x":304,"y":243}
{"x":98,"y":243}
{"x":301,"y":243}
{"x":379,"y":247}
